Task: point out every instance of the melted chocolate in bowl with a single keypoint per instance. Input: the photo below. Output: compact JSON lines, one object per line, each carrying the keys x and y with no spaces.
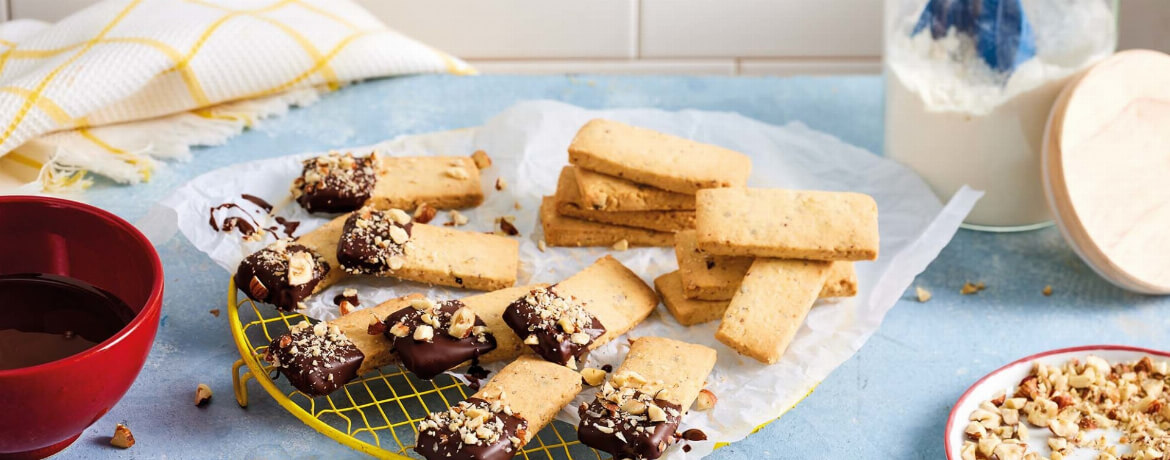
{"x":46,"y":317}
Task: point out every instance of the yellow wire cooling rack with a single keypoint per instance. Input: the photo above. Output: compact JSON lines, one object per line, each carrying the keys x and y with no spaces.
{"x":378,"y":413}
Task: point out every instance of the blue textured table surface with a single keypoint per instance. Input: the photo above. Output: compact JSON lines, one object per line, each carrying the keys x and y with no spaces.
{"x":891,"y":400}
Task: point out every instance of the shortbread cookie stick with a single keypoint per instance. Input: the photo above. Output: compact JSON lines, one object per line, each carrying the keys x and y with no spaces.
{"x":653,"y":158}
{"x":374,"y":345}
{"x":607,"y":193}
{"x":287,"y":272}
{"x":318,"y":359}
{"x":388,"y":243}
{"x":637,"y":413}
{"x":711,"y":277}
{"x":499,"y":419}
{"x":686,"y":311}
{"x":567,"y":231}
{"x":569,"y":204}
{"x":770,"y":306}
{"x":707,"y":276}
{"x":564,"y":321}
{"x":787,"y":224}
{"x":342,"y":183}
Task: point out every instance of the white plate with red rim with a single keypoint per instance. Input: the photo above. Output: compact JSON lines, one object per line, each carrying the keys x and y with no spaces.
{"x":1008,"y":377}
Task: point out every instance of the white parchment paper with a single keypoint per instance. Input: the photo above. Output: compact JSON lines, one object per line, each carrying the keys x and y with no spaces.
{"x":528,"y":144}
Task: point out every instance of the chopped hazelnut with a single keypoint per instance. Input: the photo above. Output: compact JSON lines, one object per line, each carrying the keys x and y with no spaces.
{"x":202,"y":395}
{"x":706,"y":400}
{"x":457,"y":219}
{"x":923,"y":294}
{"x":424,"y":333}
{"x":344,"y":307}
{"x":1047,"y":290}
{"x":123,"y":438}
{"x":541,"y":245}
{"x":461,"y":323}
{"x":501,"y":184}
{"x":481,"y":159}
{"x":969,"y":288}
{"x":634,"y":406}
{"x":508,"y":228}
{"x":621,"y":245}
{"x":300,"y":268}
{"x":456,"y":172}
{"x":655,"y":413}
{"x":214,"y":312}
{"x":399,"y":330}
{"x":592,"y":377}
{"x":257,"y":288}
{"x":422,"y":304}
{"x":424,"y":213}
{"x":399,"y":216}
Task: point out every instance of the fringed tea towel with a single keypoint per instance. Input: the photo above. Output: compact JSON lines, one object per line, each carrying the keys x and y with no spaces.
{"x":122,"y":83}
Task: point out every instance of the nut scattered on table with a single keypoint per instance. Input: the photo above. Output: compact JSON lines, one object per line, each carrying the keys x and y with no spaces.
{"x":972,"y":288}
{"x":424,"y":213}
{"x":501,"y":184}
{"x":706,"y":400}
{"x":1047,"y":290}
{"x":123,"y":438}
{"x":923,"y":294}
{"x":202,"y":395}
{"x":621,"y":245}
{"x":214,"y":312}
{"x":1071,"y":401}
{"x":541,"y":245}
{"x":481,"y":159}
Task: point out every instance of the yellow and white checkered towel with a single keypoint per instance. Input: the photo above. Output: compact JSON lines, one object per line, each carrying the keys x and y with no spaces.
{"x":115,"y":86}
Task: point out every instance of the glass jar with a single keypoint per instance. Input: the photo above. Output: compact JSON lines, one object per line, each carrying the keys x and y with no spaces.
{"x":959,"y":116}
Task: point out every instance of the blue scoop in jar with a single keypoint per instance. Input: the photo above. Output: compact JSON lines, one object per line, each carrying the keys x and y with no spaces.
{"x":1002,"y":33}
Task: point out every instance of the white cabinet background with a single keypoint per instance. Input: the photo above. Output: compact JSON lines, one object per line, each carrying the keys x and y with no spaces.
{"x":709,"y":37}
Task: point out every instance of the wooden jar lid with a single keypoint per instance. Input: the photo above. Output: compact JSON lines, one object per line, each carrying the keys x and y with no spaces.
{"x":1106,"y":165}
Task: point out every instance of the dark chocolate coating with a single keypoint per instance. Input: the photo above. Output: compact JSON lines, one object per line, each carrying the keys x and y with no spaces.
{"x":444,"y":443}
{"x":338,"y":190}
{"x":443,"y":352}
{"x":357,"y":251}
{"x":315,"y":375}
{"x":553,"y":344}
{"x":271,"y":268}
{"x":643,"y":439}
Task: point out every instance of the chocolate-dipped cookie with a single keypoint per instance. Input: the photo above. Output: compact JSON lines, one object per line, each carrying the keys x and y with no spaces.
{"x":474,"y":429}
{"x":282,"y":274}
{"x":315,"y":359}
{"x":431,"y":337}
{"x":336,"y":182}
{"x":558,"y":329}
{"x":374,"y":241}
{"x":628,"y":423}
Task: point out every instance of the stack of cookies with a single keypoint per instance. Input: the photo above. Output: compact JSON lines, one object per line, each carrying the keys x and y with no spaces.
{"x":631,"y":186}
{"x":760,"y":258}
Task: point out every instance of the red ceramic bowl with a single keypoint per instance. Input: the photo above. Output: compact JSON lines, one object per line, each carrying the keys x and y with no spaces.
{"x":44,"y":408}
